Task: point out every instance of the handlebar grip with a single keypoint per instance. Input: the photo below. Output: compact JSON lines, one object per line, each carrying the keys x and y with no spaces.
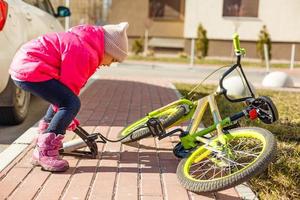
{"x":236,"y":43}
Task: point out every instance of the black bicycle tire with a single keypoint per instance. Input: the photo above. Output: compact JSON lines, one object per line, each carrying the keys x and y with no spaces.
{"x":145,"y":132}
{"x":228,"y":182}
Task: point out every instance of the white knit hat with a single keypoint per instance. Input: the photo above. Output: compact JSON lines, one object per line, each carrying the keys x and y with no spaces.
{"x":116,"y":41}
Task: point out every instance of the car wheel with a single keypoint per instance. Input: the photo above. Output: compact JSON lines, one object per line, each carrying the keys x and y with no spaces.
{"x":15,"y":114}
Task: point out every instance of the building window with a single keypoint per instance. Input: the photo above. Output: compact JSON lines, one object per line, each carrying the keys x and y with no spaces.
{"x":166,"y":9}
{"x":240,"y":8}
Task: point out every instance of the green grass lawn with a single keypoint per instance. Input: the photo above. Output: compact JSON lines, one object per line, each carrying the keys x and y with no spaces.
{"x":215,"y":62}
{"x":282,"y":178}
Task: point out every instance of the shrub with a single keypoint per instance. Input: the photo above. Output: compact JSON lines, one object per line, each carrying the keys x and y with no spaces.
{"x":137,"y":46}
{"x":264,"y":38}
{"x":150,"y":53}
{"x":182,"y":55}
{"x":201,"y":42}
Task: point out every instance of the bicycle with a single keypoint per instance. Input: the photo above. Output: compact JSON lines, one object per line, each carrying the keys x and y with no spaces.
{"x":219,"y":156}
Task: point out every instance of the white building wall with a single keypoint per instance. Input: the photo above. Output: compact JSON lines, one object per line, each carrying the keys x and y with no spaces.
{"x":282,"y":18}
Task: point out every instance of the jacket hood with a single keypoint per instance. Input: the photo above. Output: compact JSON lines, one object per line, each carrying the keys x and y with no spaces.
{"x":91,"y":35}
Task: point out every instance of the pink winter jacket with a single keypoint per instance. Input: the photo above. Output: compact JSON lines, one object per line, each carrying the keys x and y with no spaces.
{"x":70,"y":57}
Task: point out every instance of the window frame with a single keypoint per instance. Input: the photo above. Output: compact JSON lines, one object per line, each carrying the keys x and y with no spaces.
{"x":179,"y":18}
{"x":241,"y":17}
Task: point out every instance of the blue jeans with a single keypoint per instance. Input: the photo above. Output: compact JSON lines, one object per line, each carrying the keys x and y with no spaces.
{"x":58,"y":95}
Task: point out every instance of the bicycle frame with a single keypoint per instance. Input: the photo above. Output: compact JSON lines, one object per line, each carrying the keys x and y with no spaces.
{"x":191,"y":139}
{"x":195,"y":115}
{"x":194,"y":136}
{"x":195,"y":112}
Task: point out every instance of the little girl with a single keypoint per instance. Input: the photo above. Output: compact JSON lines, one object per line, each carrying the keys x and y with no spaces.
{"x":55,"y":67}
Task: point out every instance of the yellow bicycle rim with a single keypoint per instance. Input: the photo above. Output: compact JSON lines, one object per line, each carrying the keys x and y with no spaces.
{"x":202,"y":153}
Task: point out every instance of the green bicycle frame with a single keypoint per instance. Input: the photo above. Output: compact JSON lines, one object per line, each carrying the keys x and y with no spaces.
{"x":190,"y":106}
{"x":196,"y":110}
{"x":194,"y":136}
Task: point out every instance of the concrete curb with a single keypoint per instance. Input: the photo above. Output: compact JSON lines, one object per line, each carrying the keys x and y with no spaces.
{"x":16,"y":148}
{"x":243,"y":190}
{"x":175,"y":90}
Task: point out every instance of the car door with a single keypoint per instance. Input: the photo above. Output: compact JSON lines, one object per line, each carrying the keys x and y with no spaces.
{"x":39,"y":15}
{"x":14,"y":102}
{"x":12,"y":37}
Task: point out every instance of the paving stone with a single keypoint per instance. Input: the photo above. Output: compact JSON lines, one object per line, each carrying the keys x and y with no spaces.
{"x":12,"y":180}
{"x":30,"y":185}
{"x":202,"y":196}
{"x":229,"y":194}
{"x":143,"y":170}
{"x":57,"y":182}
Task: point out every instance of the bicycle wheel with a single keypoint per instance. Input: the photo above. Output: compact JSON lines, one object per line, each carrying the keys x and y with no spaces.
{"x":206,"y":170}
{"x":139,"y":130}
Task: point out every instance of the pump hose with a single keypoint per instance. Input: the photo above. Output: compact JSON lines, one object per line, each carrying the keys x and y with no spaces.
{"x":105,"y":139}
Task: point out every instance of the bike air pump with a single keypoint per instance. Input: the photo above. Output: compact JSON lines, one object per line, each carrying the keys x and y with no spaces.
{"x":86,"y":140}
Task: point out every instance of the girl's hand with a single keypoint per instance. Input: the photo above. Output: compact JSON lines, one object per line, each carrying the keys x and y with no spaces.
{"x":73,"y":125}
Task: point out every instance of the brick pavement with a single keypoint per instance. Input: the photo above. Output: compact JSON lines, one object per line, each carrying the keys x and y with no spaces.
{"x":145,"y":170}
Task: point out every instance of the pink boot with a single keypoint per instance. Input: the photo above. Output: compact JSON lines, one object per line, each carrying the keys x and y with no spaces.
{"x":47,"y":155}
{"x":43,"y":125}
{"x":42,"y":128}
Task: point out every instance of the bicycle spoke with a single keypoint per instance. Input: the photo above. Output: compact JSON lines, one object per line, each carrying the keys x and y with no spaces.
{"x":229,"y":166}
{"x":200,"y":162}
{"x":202,"y":170}
{"x":257,"y":147}
{"x":214,"y":171}
{"x":199,"y":167}
{"x":233,"y":161}
{"x":199,"y":170}
{"x":249,"y":149}
{"x":241,"y":144}
{"x":204,"y":173}
{"x":247,"y":154}
{"x":222,"y":171}
{"x":217,"y":174}
{"x":243,"y":152}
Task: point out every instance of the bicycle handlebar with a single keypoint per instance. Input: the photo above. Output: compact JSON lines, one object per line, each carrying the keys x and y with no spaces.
{"x":236,"y":43}
{"x":239,"y":52}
